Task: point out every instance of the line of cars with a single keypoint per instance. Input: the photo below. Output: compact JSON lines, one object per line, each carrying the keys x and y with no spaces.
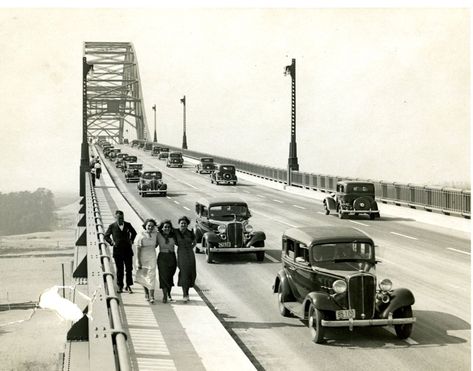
{"x":328,"y":275}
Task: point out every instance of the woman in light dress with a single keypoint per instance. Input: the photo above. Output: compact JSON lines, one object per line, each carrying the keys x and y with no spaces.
{"x":146,"y":243}
{"x":167,"y":262}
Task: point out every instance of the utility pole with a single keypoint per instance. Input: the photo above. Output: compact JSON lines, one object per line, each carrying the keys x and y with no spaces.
{"x":292,"y":163}
{"x":184,"y":138}
{"x":155,"y":137}
{"x":84,"y":159}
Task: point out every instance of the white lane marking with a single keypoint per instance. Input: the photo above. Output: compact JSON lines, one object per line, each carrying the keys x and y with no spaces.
{"x":276,"y":220}
{"x":411,"y":341}
{"x":190,"y":185}
{"x":363,"y":224}
{"x":168,"y":197}
{"x":176,"y":202}
{"x":278,"y":201}
{"x":185,"y":207}
{"x":299,"y":207}
{"x":271,"y":258}
{"x":460,"y":251}
{"x":320,"y":212}
{"x":403,"y":235}
{"x":261,"y":196}
{"x":246,"y":191}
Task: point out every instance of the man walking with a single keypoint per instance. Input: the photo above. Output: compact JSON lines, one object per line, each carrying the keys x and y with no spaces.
{"x":121,"y":235}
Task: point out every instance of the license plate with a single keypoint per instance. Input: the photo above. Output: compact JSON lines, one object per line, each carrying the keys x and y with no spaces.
{"x":224,"y":244}
{"x":345,"y":314}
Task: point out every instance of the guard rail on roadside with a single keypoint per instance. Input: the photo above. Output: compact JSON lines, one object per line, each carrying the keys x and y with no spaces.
{"x":449,"y":201}
{"x":98,"y":342}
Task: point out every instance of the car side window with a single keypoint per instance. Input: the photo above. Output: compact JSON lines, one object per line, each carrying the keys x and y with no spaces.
{"x":302,"y":252}
{"x":205,"y":212}
{"x":289,"y":248}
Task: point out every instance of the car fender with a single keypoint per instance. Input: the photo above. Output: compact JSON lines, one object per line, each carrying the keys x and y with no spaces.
{"x":257,"y":239}
{"x":282,"y":279}
{"x":211,"y":238}
{"x":374,"y":205}
{"x":320,"y":300}
{"x":399,"y":298}
{"x":330,"y":202}
{"x":164,"y":186}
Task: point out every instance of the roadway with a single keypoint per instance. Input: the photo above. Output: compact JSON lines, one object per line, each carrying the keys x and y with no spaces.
{"x":433,"y":262}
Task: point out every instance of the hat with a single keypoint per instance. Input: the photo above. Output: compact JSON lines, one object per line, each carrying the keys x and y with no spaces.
{"x":185,"y":218}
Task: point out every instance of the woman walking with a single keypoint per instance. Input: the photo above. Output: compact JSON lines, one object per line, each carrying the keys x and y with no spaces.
{"x":167,"y":263}
{"x":146,"y":258}
{"x":185,"y":240}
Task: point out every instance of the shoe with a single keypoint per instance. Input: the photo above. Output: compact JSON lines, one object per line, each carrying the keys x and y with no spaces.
{"x":186,"y":298}
{"x":165,"y":300}
{"x":120,"y":290}
{"x":128,"y":288}
{"x":147,"y":297}
{"x":171,"y":300}
{"x":151,"y":300}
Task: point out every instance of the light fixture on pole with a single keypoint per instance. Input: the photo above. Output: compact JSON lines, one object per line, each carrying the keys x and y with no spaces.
{"x":155,"y":140}
{"x":292,"y":163}
{"x":184,"y":138}
{"x":84,"y":158}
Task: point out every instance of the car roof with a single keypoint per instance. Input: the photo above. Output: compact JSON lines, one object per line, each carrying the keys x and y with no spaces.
{"x":226,"y":165}
{"x":135,"y":163}
{"x":209,"y":201}
{"x":206,"y":158}
{"x":353,"y":182}
{"x":326,"y":234}
{"x":150,"y":171}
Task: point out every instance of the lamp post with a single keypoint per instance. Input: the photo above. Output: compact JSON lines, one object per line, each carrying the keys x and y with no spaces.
{"x":155,"y":137}
{"x":184,"y":138}
{"x":292,"y":163}
{"x":84,"y":159}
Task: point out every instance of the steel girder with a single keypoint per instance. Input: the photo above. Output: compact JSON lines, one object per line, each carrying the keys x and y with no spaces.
{"x":114,"y":96}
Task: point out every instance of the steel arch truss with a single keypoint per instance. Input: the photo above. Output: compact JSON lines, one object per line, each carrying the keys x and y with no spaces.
{"x":115,"y":108}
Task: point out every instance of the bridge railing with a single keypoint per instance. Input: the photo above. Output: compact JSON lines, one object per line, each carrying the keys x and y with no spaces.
{"x":430,"y":198}
{"x":97,"y":341}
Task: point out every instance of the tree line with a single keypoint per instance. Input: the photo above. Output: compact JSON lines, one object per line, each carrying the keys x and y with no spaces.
{"x":27,"y":212}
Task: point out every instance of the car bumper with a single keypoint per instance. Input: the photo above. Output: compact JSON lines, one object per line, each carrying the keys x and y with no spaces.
{"x":237,"y":249}
{"x":153,"y":192}
{"x":226,"y":181}
{"x":133,"y":179}
{"x":174,"y":165}
{"x":368,"y":322}
{"x":349,"y":211}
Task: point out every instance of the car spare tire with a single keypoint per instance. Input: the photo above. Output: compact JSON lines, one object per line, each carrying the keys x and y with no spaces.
{"x":362,"y":203}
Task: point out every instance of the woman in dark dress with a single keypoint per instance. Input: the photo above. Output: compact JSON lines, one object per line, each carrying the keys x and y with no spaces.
{"x":185,"y":240}
{"x":166,"y":258}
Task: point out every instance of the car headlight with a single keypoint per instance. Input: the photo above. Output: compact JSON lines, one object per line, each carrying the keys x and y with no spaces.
{"x":221,"y":229}
{"x":339,"y":286}
{"x":248,"y":228}
{"x":386,"y":285}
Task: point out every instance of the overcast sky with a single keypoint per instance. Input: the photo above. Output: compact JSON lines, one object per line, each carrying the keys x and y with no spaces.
{"x":381,"y":93}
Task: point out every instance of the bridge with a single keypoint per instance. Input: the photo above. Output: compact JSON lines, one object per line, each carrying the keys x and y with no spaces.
{"x":232,"y":320}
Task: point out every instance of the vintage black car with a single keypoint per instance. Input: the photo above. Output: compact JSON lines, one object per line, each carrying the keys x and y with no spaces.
{"x":175,"y":159}
{"x":107,"y":150}
{"x":135,"y":143}
{"x":163,"y":153}
{"x":148,"y":146}
{"x":222,"y":225}
{"x":205,"y":165}
{"x":119,"y":159}
{"x":155,"y":150}
{"x":328,"y":277}
{"x":112,"y":155}
{"x":133,"y":172}
{"x":352,"y":197}
{"x":151,"y":183}
{"x":224,"y":174}
{"x":126,"y":161}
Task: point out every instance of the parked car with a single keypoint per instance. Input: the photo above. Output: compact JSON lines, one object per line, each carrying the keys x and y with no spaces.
{"x":328,"y":277}
{"x":155,"y":150}
{"x":224,"y":174}
{"x":119,"y":159}
{"x":222,"y":225}
{"x":133,"y":172}
{"x":205,"y":165}
{"x":127,"y":160}
{"x":352,"y":197}
{"x":175,"y":159}
{"x":151,"y":183}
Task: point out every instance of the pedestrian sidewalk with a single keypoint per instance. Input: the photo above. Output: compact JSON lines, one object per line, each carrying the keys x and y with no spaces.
{"x":172,"y":336}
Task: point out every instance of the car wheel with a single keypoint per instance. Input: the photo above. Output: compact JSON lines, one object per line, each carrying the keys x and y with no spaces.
{"x":327,"y":210}
{"x":372,"y":216}
{"x":282,"y":309}
{"x":378,"y":216}
{"x":127,"y":180}
{"x":164,"y":194}
{"x":260,"y":256}
{"x":341,"y":215}
{"x":211,"y":181}
{"x":315,"y":325}
{"x":403,"y":331}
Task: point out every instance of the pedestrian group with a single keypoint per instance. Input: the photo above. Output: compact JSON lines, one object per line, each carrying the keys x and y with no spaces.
{"x":155,"y":248}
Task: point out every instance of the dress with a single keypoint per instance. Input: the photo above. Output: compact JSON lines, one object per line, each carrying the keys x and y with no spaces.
{"x":167,"y":263}
{"x":185,"y":258}
{"x":146,"y":251}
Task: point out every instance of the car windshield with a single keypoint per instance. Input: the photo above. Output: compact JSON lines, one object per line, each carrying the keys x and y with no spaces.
{"x":342,"y":251}
{"x":207,"y":160}
{"x":175,"y":155}
{"x":228,"y":212}
{"x":136,"y":166}
{"x":152,"y":174}
{"x":131,"y":158}
{"x":164,"y":149}
{"x":360,"y":188}
{"x":227,"y":168}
